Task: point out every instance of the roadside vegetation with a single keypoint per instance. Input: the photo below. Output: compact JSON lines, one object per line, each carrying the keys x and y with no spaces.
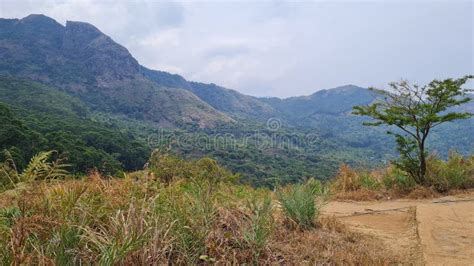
{"x":173,"y":211}
{"x":193,"y":211}
{"x":454,"y":174}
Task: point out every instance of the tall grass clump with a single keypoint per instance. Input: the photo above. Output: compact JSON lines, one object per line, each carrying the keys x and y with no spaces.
{"x":346,"y":179}
{"x":189,"y":209}
{"x":7,"y":219}
{"x":302,"y":203}
{"x":125,"y":233}
{"x":258,"y":232}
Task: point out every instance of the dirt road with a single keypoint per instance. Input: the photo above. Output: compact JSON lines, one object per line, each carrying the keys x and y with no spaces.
{"x":430,"y":232}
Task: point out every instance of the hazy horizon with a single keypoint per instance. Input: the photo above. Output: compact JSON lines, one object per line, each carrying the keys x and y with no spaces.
{"x":282,"y":49}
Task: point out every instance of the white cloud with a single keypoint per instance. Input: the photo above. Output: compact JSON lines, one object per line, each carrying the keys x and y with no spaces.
{"x":162,"y":39}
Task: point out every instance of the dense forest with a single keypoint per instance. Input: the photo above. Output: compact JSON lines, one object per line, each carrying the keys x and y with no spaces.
{"x":51,"y":120}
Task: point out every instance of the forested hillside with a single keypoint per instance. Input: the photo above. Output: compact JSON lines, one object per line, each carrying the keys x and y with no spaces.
{"x":37,"y":118}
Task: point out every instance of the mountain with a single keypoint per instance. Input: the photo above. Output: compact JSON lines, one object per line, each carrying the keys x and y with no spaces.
{"x":82,"y":61}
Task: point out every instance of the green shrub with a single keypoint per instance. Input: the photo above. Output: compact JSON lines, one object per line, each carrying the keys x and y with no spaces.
{"x":209,"y":169}
{"x":367,"y":181}
{"x":167,"y":167}
{"x":301,"y":203}
{"x":396,"y":179}
{"x":455,"y":173}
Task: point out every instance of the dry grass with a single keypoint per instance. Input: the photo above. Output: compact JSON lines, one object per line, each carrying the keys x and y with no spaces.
{"x":443,"y":178}
{"x":361,"y":195}
{"x":331,"y":243}
{"x":197,"y":215}
{"x":192,"y":212}
{"x":134,"y":221}
{"x":420,"y":192}
{"x":346,"y":179}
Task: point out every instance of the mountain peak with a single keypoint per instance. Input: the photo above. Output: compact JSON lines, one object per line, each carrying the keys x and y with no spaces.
{"x":349,"y":88}
{"x":36,"y":17}
{"x":39,"y":18}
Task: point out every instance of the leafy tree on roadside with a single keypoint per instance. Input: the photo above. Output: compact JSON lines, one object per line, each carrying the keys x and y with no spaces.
{"x":415,"y":111}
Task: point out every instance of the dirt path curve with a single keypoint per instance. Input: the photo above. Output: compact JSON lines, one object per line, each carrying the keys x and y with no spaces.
{"x":431,"y":232}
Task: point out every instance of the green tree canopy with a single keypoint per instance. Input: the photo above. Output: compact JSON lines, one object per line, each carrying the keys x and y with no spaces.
{"x":415,"y":111}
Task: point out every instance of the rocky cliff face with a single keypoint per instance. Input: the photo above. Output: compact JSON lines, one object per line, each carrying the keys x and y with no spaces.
{"x":98,"y":53}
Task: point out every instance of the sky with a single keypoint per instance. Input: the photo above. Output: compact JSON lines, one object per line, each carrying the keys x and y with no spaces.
{"x":278,"y":48}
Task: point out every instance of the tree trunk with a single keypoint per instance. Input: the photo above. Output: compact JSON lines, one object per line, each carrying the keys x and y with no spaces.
{"x":422,"y":170}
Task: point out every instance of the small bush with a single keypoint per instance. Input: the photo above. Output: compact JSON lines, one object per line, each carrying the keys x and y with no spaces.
{"x":396,"y":179}
{"x":166,"y":167}
{"x":368,"y":182}
{"x":301,"y":203}
{"x":455,"y":173}
{"x":348,"y":180}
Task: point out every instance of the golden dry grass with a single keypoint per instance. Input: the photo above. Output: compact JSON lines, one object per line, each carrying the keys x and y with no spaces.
{"x":452,"y":176}
{"x":128,"y":221}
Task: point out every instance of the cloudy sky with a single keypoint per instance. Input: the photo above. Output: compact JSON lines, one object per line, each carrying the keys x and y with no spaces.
{"x":275,"y":48}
